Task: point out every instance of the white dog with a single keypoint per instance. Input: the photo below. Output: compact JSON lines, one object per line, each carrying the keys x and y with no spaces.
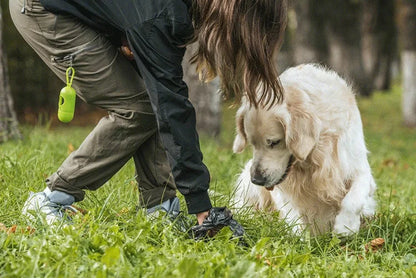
{"x":309,"y":155}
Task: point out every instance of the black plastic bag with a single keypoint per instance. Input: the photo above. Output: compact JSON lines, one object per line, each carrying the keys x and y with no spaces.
{"x":218,"y":218}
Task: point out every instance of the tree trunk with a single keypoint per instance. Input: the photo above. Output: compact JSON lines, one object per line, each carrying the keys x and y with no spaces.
{"x":8,"y":122}
{"x":285,"y":56}
{"x":344,"y":42}
{"x":204,"y":97}
{"x":379,"y":41}
{"x":310,"y":41}
{"x":408,"y":38}
{"x":409,"y":87}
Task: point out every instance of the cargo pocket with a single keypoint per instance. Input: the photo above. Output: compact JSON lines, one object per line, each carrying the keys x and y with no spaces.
{"x":93,"y":63}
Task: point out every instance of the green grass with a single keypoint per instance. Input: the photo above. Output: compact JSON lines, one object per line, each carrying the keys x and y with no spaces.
{"x":113,"y":240}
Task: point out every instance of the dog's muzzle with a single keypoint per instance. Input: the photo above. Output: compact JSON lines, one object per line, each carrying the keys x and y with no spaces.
{"x":259,"y":179}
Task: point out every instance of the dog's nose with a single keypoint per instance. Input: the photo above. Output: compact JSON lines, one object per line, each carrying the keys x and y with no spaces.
{"x":258,"y":179}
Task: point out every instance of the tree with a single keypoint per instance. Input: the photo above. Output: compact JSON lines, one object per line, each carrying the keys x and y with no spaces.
{"x":357,"y":38}
{"x":379,"y":41}
{"x":8,"y":121}
{"x":344,"y":41}
{"x":310,"y":40}
{"x":204,"y":97}
{"x":407,"y":27}
{"x":34,"y":87}
{"x":328,"y":32}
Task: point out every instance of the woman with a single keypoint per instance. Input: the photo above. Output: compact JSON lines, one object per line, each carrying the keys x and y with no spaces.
{"x":237,"y":39}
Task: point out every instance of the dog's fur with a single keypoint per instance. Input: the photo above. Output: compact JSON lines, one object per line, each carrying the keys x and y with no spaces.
{"x":329,"y":184}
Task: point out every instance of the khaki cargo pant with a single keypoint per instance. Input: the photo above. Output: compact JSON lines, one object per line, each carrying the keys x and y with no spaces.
{"x":106,"y":79}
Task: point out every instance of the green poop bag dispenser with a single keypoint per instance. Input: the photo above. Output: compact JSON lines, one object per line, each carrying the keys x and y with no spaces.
{"x":67,"y":97}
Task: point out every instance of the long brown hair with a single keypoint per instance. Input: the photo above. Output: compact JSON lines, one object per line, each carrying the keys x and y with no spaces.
{"x":237,"y":40}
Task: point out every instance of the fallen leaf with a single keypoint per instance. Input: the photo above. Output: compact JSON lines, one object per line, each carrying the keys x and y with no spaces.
{"x":81,"y":210}
{"x":12,"y":229}
{"x":123,"y":211}
{"x":70,"y":148}
{"x":375,"y":245}
{"x":389,"y":162}
{"x":29,"y":229}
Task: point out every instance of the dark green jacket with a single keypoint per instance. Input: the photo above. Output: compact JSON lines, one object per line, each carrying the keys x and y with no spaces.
{"x":157,"y":31}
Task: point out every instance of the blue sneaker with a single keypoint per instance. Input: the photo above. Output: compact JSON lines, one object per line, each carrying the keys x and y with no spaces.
{"x":170,"y":207}
{"x":48,"y":205}
{"x":171,"y":212}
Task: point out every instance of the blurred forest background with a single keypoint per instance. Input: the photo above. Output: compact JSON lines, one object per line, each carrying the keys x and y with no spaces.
{"x":370,"y":42}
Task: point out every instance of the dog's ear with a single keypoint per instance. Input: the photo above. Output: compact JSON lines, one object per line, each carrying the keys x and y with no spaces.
{"x":302,"y":132}
{"x":240,"y":140}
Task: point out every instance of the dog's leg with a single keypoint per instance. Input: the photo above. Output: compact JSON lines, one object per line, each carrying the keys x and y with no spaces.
{"x":250,"y":194}
{"x":287,"y":212}
{"x":358,"y":201}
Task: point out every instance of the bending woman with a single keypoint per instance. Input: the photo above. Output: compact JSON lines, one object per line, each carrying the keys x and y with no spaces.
{"x":150,"y":116}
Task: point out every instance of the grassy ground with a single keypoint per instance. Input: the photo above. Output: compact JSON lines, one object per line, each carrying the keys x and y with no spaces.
{"x":114,"y":240}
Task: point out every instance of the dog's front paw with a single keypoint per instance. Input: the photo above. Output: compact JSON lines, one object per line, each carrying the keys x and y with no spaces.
{"x":346,"y":223}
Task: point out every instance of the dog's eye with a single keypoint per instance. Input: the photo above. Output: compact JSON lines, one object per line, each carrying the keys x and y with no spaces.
{"x":272,"y":143}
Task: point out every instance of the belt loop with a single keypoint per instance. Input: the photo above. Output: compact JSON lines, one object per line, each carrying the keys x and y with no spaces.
{"x":23,"y":11}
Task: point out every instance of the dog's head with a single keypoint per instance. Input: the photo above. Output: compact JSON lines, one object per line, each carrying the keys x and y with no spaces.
{"x":276,"y":134}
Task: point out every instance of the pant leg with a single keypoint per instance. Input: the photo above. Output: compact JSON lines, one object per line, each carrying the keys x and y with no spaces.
{"x":103,"y":78}
{"x":152,"y":168}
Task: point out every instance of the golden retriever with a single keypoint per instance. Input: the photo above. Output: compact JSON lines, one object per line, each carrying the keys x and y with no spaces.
{"x":309,"y":155}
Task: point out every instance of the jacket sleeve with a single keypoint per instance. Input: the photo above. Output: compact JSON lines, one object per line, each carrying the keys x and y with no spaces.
{"x":158,"y":47}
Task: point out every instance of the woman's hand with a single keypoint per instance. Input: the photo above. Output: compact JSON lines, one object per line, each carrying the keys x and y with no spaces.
{"x":201,"y":216}
{"x":126,"y":50}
